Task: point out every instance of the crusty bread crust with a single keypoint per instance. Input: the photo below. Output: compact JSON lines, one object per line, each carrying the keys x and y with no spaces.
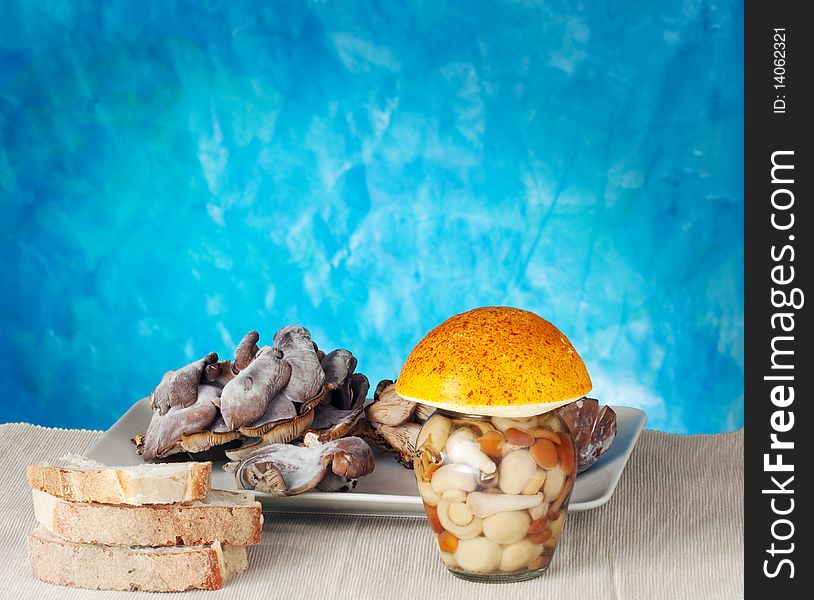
{"x":233,"y":518}
{"x":126,"y":568}
{"x":145,"y":484}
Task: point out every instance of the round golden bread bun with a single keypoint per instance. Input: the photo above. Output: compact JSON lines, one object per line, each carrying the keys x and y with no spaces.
{"x":496,"y":361}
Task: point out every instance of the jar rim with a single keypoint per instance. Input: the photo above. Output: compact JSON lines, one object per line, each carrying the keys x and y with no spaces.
{"x":460,"y":415}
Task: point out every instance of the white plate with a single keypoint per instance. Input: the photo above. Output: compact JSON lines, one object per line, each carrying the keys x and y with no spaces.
{"x":390,"y":489}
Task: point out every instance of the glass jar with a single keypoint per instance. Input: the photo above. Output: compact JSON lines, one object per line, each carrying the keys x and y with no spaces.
{"x":496,"y":491}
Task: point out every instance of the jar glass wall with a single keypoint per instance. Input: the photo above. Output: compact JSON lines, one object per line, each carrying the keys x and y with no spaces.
{"x":496,"y":491}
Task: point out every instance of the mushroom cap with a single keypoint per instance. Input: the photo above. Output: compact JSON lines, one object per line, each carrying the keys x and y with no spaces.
{"x":495,"y":361}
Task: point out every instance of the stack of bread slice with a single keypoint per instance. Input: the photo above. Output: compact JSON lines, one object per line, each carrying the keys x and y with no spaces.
{"x":150,"y":527}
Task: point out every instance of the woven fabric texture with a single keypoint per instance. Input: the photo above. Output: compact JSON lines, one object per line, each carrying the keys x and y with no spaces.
{"x":673,"y":529}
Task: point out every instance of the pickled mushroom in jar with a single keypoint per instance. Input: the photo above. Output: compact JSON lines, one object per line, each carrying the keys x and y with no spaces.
{"x":496,"y":463}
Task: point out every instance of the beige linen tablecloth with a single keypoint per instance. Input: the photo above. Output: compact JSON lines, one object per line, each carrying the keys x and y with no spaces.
{"x":673,"y":529}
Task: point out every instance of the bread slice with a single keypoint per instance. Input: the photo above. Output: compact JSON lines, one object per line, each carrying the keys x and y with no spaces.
{"x":143,"y":484}
{"x":99,"y":567}
{"x":230,"y":517}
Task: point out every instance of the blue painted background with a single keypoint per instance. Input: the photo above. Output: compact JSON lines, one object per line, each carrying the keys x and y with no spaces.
{"x":173,"y":174}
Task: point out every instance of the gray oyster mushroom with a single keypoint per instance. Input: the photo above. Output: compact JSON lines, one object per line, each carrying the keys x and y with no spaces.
{"x":304,"y":468}
{"x":281,"y":432}
{"x":320,"y":353}
{"x":219,"y":373}
{"x":423,"y":412}
{"x":246,"y":351}
{"x":307,"y":377}
{"x":282,"y":422}
{"x":279,"y":410}
{"x":166,"y":432}
{"x":338,"y":366}
{"x":247,"y":397}
{"x":180,"y":388}
{"x":332,"y":422}
{"x":210,"y":444}
{"x":263,"y":396}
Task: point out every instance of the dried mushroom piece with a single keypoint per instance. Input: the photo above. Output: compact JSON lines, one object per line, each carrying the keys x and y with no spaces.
{"x":307,"y":377}
{"x":279,"y":410}
{"x":247,"y":397}
{"x":264,"y":396}
{"x":382,"y":385}
{"x":212,"y":443}
{"x":602,"y":438}
{"x":593,"y":429}
{"x":246,"y":351}
{"x":219,"y":373}
{"x":423,"y":412}
{"x":330,"y":422}
{"x":391,"y":412}
{"x":180,"y":388}
{"x":320,"y":353}
{"x":393,"y":423}
{"x":166,"y":432}
{"x":339,"y":366}
{"x":365,"y":430}
{"x":402,"y":438}
{"x":304,"y":468}
{"x":281,"y":432}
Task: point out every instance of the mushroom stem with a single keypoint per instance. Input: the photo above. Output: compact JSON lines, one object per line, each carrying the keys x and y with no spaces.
{"x":462,"y":449}
{"x":462,"y":532}
{"x":484,"y":505}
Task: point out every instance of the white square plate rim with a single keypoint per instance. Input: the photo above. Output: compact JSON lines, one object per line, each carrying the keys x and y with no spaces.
{"x":593,"y":488}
